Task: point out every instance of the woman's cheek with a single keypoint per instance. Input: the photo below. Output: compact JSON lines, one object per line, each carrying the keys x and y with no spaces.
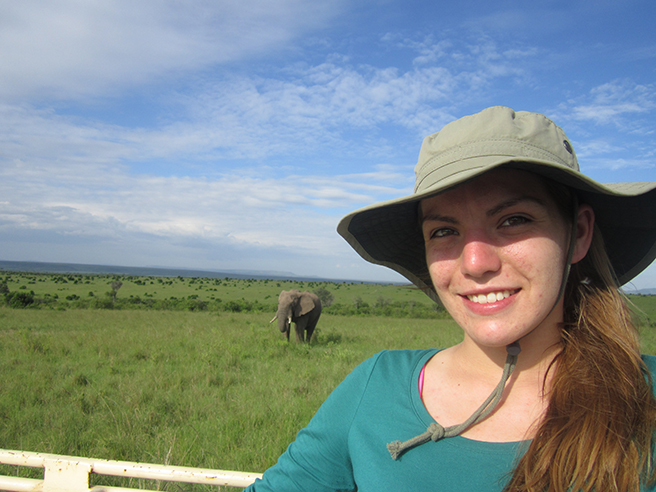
{"x":441,"y":273}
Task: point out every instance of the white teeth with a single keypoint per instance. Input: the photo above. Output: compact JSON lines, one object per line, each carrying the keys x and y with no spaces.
{"x":491,"y":297}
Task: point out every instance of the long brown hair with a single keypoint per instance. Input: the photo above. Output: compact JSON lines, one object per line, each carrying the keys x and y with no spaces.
{"x":598,"y":432}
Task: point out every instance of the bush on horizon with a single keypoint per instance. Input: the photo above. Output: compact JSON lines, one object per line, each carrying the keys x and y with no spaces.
{"x":365,"y":300}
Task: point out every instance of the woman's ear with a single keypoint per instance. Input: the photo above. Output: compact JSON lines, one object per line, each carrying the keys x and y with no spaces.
{"x":584,"y":230}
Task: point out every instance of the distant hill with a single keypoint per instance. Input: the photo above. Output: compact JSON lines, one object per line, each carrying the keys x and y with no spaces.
{"x":75,"y":268}
{"x":644,"y":292}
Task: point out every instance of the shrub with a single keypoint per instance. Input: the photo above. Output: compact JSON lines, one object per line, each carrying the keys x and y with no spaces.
{"x":233,"y":306}
{"x":20,"y":299}
{"x":389,"y":309}
{"x":325,"y":296}
{"x":102,"y":302}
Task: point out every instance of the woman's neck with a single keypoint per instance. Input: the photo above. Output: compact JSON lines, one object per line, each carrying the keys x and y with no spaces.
{"x":537,"y":351}
{"x":459,"y":379}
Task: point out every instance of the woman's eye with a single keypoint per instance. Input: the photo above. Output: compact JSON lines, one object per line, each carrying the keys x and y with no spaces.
{"x":515,"y":221}
{"x":444,"y":232}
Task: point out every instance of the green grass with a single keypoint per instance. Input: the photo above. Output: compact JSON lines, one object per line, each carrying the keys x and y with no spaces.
{"x":645,"y":309}
{"x":207,"y":390}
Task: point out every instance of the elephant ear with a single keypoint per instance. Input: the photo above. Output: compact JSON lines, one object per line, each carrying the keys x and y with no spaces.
{"x":305,"y":305}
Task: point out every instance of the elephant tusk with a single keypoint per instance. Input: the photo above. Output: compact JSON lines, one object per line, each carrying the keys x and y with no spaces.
{"x":274,"y":318}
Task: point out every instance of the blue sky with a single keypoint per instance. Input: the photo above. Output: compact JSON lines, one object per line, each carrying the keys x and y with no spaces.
{"x":234,"y":134}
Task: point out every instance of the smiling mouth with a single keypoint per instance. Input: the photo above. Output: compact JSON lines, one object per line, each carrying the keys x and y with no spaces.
{"x":491,"y":297}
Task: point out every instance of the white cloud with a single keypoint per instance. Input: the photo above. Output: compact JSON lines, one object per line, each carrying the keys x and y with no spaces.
{"x":307,"y":108}
{"x":596,"y":147}
{"x":612,"y":128}
{"x":325,"y":110}
{"x":300,"y":211}
{"x":298,"y":110}
{"x":70,"y":49}
{"x":619,"y":102}
{"x":231,"y":222}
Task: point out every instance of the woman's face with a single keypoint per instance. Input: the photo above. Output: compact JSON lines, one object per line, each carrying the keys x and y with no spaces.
{"x":496,"y":249}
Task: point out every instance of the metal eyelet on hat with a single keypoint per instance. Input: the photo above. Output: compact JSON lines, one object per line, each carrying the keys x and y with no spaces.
{"x":568,"y":147}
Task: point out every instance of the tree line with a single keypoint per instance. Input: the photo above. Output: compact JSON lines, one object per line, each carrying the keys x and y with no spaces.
{"x":110,"y":300}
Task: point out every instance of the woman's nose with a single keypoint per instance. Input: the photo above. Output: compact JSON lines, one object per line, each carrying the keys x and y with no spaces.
{"x":479,"y":257}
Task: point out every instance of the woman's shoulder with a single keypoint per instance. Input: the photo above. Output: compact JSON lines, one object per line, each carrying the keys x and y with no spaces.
{"x":393,"y":363}
{"x":399,"y":358}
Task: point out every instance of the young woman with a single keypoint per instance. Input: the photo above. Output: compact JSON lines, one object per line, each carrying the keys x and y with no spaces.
{"x":548,"y":390}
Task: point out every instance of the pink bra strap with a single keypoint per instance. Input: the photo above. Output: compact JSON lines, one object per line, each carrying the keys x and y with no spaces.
{"x":421,"y":379}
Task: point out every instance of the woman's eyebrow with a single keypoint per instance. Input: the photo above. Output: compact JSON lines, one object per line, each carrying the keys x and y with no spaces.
{"x":439,"y":218}
{"x":512,"y":202}
{"x":434,"y":216}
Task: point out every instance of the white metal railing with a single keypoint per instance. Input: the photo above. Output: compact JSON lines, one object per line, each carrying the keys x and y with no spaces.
{"x":71,"y":474}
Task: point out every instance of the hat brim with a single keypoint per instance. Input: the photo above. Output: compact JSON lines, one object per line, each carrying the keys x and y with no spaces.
{"x":389,"y":233}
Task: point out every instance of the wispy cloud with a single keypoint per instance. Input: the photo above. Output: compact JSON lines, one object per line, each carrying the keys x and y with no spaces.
{"x":612,"y":126}
{"x":300,"y":109}
{"x":70,"y":49}
{"x":616,"y":103}
{"x":287,"y":211}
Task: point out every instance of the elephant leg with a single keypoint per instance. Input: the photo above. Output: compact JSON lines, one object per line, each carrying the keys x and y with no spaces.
{"x":312,"y":324}
{"x":300,"y":330}
{"x":310,"y":330}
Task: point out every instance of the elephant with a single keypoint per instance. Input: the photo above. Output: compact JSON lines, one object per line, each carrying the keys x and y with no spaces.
{"x":302,"y":308}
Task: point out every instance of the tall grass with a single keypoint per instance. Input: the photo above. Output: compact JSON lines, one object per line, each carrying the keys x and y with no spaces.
{"x":192,"y":389}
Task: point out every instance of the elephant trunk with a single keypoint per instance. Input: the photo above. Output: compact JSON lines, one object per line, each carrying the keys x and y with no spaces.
{"x":284,"y":322}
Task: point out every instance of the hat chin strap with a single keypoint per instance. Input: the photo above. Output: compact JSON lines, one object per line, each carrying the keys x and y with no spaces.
{"x":435,"y":431}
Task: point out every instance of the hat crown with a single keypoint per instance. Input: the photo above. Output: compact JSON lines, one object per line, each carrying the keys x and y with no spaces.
{"x":494,"y":135}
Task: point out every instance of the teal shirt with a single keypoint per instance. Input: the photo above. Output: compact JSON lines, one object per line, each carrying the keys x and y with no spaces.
{"x":343,"y":448}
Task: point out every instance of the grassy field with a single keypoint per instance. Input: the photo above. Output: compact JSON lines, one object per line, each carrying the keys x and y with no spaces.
{"x":204,"y":388}
{"x":61,"y":286}
{"x":210,"y":390}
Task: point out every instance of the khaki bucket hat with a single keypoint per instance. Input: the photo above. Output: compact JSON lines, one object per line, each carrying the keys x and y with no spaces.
{"x":389,"y":233}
